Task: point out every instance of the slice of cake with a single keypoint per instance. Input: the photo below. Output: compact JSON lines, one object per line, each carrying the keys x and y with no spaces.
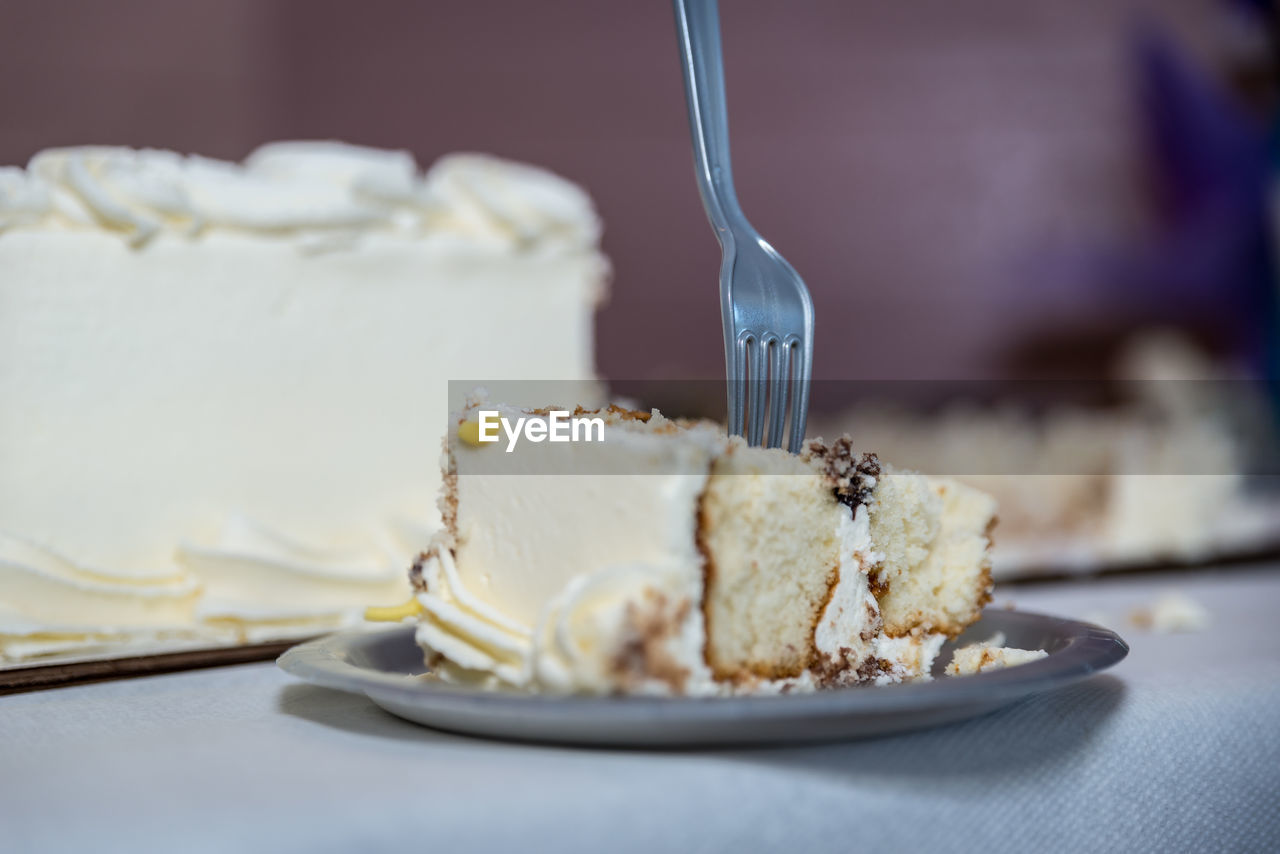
{"x":235,"y":374}
{"x":666,"y":557}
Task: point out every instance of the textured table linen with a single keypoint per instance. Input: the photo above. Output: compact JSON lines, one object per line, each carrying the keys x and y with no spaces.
{"x":1175,"y":749}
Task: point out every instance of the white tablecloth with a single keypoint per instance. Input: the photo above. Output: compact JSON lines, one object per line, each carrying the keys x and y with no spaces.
{"x":1177,"y":748}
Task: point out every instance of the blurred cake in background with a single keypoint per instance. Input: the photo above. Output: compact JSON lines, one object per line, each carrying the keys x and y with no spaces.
{"x":223,"y":386}
{"x":1159,"y":478}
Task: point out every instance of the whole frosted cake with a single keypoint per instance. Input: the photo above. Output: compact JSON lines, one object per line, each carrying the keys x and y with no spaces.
{"x":669,"y":558}
{"x":220,"y":382}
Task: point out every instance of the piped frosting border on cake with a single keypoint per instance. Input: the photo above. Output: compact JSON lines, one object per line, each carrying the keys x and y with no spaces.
{"x":325,"y":194}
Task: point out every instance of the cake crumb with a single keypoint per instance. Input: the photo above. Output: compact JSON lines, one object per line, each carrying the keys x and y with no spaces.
{"x":990,"y":654}
{"x":1173,"y":611}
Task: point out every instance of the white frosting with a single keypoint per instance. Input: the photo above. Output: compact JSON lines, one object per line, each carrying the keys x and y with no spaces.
{"x":254,"y":574}
{"x":852,"y":611}
{"x":250,"y":586}
{"x":42,"y":586}
{"x":466,"y":630}
{"x":309,"y":189}
{"x":21,"y":646}
{"x":636,"y":493}
{"x":584,"y":627}
{"x":577,"y":636}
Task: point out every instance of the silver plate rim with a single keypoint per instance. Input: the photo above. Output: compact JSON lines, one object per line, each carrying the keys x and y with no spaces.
{"x":1076,"y":651}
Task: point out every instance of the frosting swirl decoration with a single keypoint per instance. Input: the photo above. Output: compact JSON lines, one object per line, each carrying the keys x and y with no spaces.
{"x":306,"y":189}
{"x":571,"y":647}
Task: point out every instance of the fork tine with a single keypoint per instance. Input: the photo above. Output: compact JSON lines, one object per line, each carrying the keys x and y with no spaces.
{"x":779,"y":390}
{"x":757,"y":388}
{"x":803,"y":361}
{"x":738,"y":386}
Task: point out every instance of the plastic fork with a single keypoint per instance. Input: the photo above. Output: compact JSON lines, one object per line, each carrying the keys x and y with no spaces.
{"x":764,"y":304}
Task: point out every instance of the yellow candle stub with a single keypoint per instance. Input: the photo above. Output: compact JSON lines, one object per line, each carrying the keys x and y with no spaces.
{"x":393,"y":613}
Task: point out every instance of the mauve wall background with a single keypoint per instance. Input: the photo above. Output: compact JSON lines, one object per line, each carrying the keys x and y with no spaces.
{"x":908,"y":158}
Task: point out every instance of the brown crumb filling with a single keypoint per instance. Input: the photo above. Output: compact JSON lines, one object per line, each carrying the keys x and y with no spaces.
{"x":644,"y":655}
{"x":415,"y":573}
{"x":853,"y":477}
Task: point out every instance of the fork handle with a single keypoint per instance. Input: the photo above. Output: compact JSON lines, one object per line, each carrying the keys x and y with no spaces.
{"x":698,"y":26}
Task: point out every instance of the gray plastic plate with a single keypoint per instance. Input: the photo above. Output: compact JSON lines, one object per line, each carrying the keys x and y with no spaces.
{"x":387,"y":666}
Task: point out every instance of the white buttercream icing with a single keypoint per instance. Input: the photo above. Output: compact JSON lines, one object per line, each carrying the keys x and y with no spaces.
{"x":251,"y":586}
{"x":326,"y":193}
{"x":251,"y":574}
{"x":41,"y":585}
{"x":586,"y":625}
{"x":577,"y":635}
{"x":18,"y":645}
{"x":909,"y":656}
{"x":852,"y":616}
{"x":467,"y":631}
